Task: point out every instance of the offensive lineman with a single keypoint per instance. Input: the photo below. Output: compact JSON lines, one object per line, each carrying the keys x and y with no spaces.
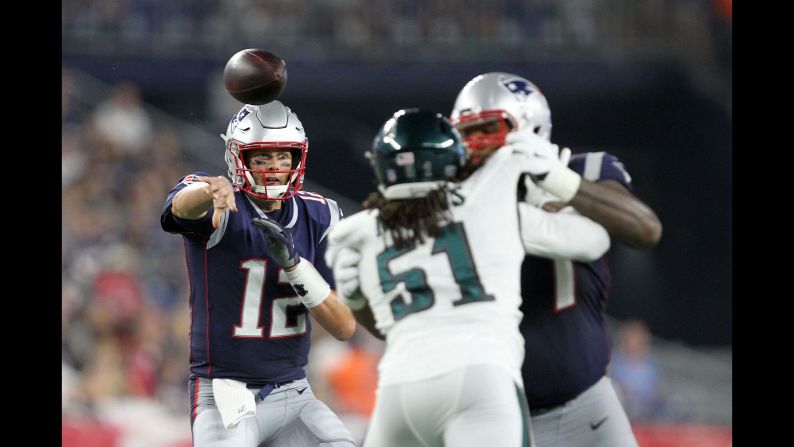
{"x":571,"y":400}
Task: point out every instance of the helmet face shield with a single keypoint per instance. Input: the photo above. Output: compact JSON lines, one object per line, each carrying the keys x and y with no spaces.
{"x":271,"y":185}
{"x":484,"y":131}
{"x":269,"y":127}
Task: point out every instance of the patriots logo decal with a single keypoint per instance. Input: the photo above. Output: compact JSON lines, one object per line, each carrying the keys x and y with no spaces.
{"x":522,"y":89}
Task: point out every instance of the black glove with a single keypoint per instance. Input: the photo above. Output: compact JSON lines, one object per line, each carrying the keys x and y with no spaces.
{"x":279,"y":242}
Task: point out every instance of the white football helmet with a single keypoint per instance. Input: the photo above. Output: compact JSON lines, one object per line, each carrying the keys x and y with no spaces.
{"x":268,"y":126}
{"x":510,"y":100}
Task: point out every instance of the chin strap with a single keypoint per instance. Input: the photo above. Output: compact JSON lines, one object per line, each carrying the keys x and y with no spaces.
{"x":272,"y":191}
{"x":275,"y":191}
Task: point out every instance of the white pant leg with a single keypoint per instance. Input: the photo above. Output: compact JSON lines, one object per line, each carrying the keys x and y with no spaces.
{"x":489,"y":411}
{"x":303,"y":420}
{"x":595,"y":418}
{"x":389,"y":425}
{"x":208,"y":429}
{"x":475,"y":406}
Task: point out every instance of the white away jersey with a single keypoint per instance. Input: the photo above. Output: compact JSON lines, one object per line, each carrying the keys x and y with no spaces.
{"x":453,"y":300}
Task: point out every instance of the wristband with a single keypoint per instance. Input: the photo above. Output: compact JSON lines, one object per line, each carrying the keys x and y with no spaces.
{"x":562,"y":182}
{"x":308,"y":283}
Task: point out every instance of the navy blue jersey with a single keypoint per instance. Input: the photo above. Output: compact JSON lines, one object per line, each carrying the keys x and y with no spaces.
{"x":247,"y":323}
{"x":567,"y":345}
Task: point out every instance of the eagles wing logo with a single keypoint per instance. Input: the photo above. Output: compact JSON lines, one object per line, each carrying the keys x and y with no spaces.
{"x":522,"y":89}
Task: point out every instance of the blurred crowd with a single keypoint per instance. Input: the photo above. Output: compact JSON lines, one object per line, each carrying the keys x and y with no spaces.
{"x":385,"y":30}
{"x":124,"y":293}
{"x":636,"y":374}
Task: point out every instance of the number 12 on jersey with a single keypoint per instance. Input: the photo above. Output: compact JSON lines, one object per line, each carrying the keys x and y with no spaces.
{"x":452,"y":242}
{"x":287,"y":313}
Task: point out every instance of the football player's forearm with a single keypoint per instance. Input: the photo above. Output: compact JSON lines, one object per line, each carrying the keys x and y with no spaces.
{"x":558,"y":235}
{"x":625,"y":218}
{"x":335,"y":317}
{"x":192,"y":202}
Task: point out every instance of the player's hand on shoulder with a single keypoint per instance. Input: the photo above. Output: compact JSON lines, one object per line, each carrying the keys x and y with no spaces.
{"x":546,"y":164}
{"x":222,"y":196}
{"x":541,"y":154}
{"x":541,"y":198}
{"x":527,"y":141}
{"x":279,"y":241}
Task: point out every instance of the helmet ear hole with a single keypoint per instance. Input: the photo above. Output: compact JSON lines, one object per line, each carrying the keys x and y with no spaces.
{"x":536,"y":129}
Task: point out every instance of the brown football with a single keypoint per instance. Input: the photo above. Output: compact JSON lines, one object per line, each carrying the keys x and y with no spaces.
{"x":255,"y":76}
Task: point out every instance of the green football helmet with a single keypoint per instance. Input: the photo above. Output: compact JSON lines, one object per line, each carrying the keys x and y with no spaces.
{"x":415,"y":152}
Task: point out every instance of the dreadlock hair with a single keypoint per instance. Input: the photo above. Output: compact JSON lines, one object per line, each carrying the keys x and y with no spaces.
{"x":409,"y":219}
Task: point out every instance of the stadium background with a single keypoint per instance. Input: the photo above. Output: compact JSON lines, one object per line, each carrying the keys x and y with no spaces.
{"x":143,"y":103}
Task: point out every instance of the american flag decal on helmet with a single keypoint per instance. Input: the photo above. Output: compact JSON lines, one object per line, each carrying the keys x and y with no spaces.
{"x":404,"y":158}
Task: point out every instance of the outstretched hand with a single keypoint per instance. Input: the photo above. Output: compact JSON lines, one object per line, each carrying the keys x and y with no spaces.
{"x":279,"y":242}
{"x":222,"y":197}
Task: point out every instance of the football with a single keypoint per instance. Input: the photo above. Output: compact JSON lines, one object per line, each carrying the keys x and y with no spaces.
{"x":255,"y":76}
